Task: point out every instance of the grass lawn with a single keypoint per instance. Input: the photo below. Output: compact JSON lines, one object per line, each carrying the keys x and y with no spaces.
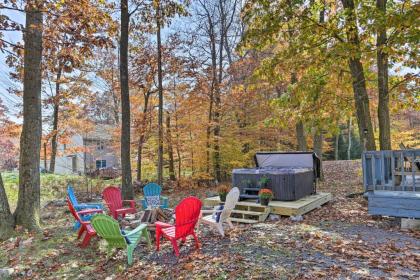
{"x":338,"y":240}
{"x":53,"y":186}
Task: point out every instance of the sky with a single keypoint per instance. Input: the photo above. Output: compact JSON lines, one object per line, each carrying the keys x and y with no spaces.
{"x":10,"y":100}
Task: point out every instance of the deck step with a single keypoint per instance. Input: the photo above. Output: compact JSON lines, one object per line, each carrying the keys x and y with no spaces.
{"x":245,"y":221}
{"x":252,"y":204}
{"x":245,"y":212}
{"x":284,"y":208}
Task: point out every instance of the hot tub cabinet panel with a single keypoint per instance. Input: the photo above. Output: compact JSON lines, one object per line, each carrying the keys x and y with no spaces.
{"x":286,"y":183}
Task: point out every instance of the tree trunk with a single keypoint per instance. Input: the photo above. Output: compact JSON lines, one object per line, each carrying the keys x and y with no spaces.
{"x":300,"y":135}
{"x":45,"y":157}
{"x":383,"y":94}
{"x":142,"y":135}
{"x":349,"y":141}
{"x":318,"y":140}
{"x":54,"y":139}
{"x":217,"y":99}
{"x":116,"y":105}
{"x":28,"y":205}
{"x":160,"y":89}
{"x":191,"y":149}
{"x":361,"y":97}
{"x":139,"y":158}
{"x":336,"y":147}
{"x":7,"y":222}
{"x":170,"y":148}
{"x":178,"y":151}
{"x":55,"y":120}
{"x":212,"y":90}
{"x":300,"y":129}
{"x":208,"y":133}
{"x":127,"y":188}
{"x":216,"y":132}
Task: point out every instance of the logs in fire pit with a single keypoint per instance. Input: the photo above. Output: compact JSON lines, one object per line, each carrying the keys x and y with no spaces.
{"x":151,"y":216}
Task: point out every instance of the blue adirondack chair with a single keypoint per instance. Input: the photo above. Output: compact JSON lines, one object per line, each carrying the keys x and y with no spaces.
{"x":81,"y":206}
{"x":152,"y":197}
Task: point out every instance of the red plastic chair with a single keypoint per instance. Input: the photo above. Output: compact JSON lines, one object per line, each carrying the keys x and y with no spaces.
{"x":187,"y":214}
{"x":85,"y":226}
{"x":112,"y":197}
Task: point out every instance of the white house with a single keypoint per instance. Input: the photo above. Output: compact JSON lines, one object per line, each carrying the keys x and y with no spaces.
{"x":86,"y":153}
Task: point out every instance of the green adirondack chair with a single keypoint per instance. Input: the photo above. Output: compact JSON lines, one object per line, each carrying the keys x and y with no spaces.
{"x":109,"y":229}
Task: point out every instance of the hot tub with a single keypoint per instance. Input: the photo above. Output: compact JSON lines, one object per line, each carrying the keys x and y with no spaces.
{"x":291,"y":175}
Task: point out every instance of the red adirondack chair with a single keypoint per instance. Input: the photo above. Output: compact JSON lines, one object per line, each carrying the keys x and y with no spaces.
{"x":85,"y":226}
{"x":112,"y":197}
{"x":187,"y":214}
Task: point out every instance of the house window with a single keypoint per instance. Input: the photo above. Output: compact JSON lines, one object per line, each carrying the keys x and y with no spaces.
{"x":99,"y":145}
{"x":100,"y":164}
{"x":64,"y":147}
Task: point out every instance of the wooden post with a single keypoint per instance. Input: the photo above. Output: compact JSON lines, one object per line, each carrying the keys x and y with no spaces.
{"x":403,"y":181}
{"x":413,"y":171}
{"x":393,"y":170}
{"x":373,"y":164}
{"x":364,"y":169}
{"x":382,"y":161}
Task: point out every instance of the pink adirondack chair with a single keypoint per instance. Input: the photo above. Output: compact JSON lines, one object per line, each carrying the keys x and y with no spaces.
{"x":187,"y":214}
{"x":85,"y":226}
{"x":112,"y":197}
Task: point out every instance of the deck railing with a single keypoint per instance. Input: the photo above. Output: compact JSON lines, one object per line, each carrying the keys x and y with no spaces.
{"x":391,"y":170}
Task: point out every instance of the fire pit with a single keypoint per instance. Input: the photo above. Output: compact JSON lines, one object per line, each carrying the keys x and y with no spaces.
{"x":151,"y":216}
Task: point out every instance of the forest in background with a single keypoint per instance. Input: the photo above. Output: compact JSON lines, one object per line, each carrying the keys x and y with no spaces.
{"x":195,"y":88}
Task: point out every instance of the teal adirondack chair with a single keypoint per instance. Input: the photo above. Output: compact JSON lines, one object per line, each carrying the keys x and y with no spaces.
{"x":109,"y":229}
{"x":152,"y":197}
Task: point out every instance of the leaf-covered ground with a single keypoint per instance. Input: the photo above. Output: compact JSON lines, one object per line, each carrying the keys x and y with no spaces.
{"x":336,"y":241}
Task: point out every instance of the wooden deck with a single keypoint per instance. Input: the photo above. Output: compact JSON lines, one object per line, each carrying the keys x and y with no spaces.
{"x":394,"y":203}
{"x":284,"y":208}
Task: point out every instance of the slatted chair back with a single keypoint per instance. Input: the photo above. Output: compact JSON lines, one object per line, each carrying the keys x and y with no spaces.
{"x":152,"y":194}
{"x":109,"y":229}
{"x":112,"y":196}
{"x":71,"y":195}
{"x":72,"y":210}
{"x":187,"y":214}
{"x":231,"y":199}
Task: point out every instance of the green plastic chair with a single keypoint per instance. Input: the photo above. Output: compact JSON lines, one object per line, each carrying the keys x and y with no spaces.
{"x":109,"y":229}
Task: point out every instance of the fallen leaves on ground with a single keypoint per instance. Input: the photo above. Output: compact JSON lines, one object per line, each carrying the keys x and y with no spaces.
{"x":338,"y":240}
